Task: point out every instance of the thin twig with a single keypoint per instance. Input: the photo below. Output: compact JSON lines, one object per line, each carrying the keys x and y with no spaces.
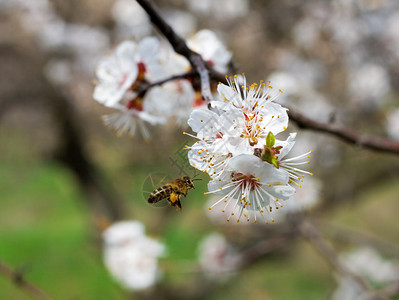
{"x":145,"y":87}
{"x":18,"y":279}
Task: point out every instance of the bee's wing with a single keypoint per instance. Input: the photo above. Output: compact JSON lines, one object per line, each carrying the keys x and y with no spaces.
{"x":153,"y":182}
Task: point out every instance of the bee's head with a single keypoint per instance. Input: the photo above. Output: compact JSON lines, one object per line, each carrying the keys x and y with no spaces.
{"x":189,"y":182}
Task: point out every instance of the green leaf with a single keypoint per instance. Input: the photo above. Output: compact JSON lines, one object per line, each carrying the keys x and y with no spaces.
{"x":270,"y":140}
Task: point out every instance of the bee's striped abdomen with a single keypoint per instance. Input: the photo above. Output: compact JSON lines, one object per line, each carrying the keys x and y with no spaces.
{"x":160,"y":193}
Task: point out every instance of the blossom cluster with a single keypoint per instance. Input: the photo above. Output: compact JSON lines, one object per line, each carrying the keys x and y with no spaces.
{"x":370,"y":265}
{"x":135,"y":80}
{"x":237,"y":147}
{"x":130,"y":256}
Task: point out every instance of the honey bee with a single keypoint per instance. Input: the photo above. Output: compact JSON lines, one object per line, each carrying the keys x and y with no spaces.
{"x":172,"y":191}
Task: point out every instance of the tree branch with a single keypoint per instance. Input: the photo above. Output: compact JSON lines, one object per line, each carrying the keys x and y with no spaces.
{"x":348,"y":135}
{"x":18,"y":279}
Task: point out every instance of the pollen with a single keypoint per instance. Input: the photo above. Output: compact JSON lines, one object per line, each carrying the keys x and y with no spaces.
{"x":210,"y":208}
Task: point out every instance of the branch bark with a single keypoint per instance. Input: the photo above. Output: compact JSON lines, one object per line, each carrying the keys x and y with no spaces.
{"x":347,"y":135}
{"x":18,"y":279}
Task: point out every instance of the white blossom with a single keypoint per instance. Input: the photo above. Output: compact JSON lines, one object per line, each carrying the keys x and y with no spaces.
{"x":237,"y":148}
{"x":172,"y":99}
{"x":217,"y":258}
{"x":251,"y":188}
{"x":212,"y":50}
{"x":130,"y":256}
{"x":121,"y":75}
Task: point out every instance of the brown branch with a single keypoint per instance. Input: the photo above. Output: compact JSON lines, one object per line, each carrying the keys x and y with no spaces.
{"x":18,"y":279}
{"x":348,"y":135}
{"x":145,"y":87}
{"x":310,"y":232}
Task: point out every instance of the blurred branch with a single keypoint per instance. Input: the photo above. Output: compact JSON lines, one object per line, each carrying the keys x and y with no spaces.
{"x":258,"y":251}
{"x":310,"y":232}
{"x":18,"y":279}
{"x":348,"y":135}
{"x":73,"y":155}
{"x":345,"y":233}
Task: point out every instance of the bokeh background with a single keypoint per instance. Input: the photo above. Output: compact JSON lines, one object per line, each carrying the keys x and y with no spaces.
{"x":64,"y":176}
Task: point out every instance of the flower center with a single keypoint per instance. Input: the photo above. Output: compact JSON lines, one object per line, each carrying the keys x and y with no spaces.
{"x":136,"y":104}
{"x":249,"y":182}
{"x":252,"y":131}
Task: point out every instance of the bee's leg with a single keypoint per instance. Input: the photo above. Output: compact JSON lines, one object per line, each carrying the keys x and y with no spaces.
{"x":174,"y":200}
{"x":178,"y":205}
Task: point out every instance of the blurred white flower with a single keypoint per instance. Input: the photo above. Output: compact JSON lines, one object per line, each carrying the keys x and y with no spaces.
{"x":369,"y":83}
{"x":130,"y":62}
{"x":218,"y":259}
{"x":172,"y":99}
{"x":212,"y":50}
{"x":120,"y":76}
{"x":287,"y":82}
{"x":224,"y":10}
{"x":367,"y":263}
{"x":126,"y":120}
{"x":392,"y":124}
{"x":305,"y":197}
{"x":131,"y":19}
{"x":116,"y":74}
{"x":130,"y":256}
{"x":182,"y":22}
{"x":306,"y":32}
